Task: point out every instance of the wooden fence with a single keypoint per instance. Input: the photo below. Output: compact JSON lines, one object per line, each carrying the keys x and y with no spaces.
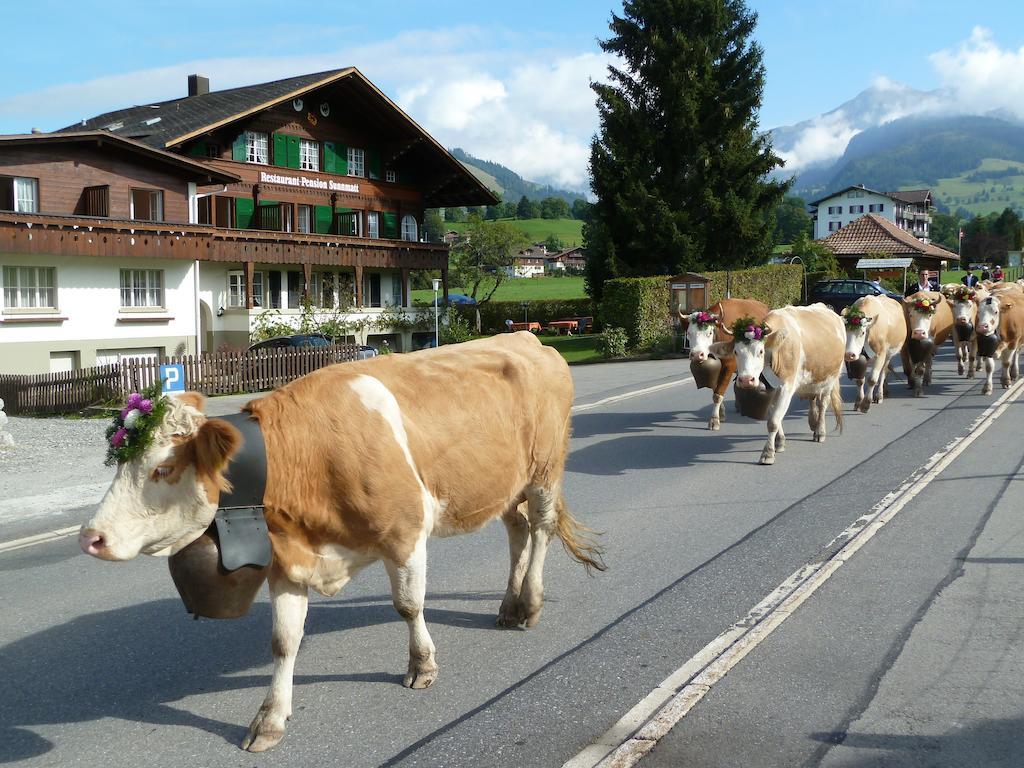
{"x":218,"y":373}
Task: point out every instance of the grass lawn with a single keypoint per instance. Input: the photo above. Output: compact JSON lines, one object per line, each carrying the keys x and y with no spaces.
{"x":569,"y":231}
{"x":524,"y":289}
{"x":575,"y":349}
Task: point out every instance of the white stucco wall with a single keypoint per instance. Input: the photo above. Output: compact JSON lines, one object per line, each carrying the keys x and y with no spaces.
{"x":845,"y":200}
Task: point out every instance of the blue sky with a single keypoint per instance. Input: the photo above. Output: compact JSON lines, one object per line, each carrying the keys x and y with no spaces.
{"x":506,"y":81}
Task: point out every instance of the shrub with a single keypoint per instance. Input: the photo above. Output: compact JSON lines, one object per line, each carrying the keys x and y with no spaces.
{"x":456,"y":330}
{"x":639,"y":305}
{"x":775,"y":284}
{"x":612,"y":342}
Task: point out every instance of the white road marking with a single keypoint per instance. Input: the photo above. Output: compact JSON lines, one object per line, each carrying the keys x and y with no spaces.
{"x":84,"y":495}
{"x":628,"y":395}
{"x":639,"y":730}
{"x":39,"y":538}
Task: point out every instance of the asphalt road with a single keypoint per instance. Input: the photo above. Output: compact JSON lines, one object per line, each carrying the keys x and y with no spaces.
{"x":102,"y":666}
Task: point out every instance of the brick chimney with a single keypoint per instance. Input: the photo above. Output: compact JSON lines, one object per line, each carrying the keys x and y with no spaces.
{"x":198,"y":85}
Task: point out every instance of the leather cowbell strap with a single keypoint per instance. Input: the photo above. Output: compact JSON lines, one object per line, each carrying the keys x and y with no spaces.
{"x":241,"y":526}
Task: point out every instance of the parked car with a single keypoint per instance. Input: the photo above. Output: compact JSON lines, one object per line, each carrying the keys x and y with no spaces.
{"x":839,"y":294}
{"x":298,"y":340}
{"x":455,"y":298}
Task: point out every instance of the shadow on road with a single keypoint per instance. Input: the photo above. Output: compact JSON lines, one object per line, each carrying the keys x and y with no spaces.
{"x":132,"y":663}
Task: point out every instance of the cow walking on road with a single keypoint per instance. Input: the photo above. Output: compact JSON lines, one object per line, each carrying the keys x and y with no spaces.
{"x":707,"y":327}
{"x":963,"y":303}
{"x":1002,"y":313}
{"x":805,"y":348}
{"x":929,"y":324}
{"x":875,"y":324}
{"x":365,"y":461}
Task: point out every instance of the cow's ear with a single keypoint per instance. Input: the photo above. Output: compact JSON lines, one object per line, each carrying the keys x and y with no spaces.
{"x":844,"y":312}
{"x":774,"y":337}
{"x":214,"y":445}
{"x":722,"y":349}
{"x":868,"y":320}
{"x":196,"y":400}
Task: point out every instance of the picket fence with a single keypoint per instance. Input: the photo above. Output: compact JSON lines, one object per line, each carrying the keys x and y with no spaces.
{"x":216,"y":373}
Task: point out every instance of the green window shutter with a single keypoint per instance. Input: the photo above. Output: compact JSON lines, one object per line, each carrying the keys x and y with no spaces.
{"x":293,"y":151}
{"x":330,"y":157}
{"x":390,"y":228}
{"x":238,"y":151}
{"x":280,"y":149}
{"x":197,"y":150}
{"x":342,"y":151}
{"x":374,"y":163}
{"x":244,"y":209}
{"x":323,"y":217}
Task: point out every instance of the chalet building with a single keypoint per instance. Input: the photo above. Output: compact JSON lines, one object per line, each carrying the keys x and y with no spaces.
{"x":529,"y":262}
{"x":873,"y":236}
{"x":568,"y":259}
{"x":910,"y":210}
{"x":172,"y":227}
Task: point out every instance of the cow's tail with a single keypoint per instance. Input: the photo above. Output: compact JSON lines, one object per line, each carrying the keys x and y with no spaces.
{"x":578,"y":539}
{"x":836,"y":400}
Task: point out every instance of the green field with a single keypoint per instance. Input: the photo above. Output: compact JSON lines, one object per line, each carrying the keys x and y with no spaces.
{"x":575,"y":349}
{"x":987,"y":194}
{"x":569,"y":231}
{"x":524,"y":289}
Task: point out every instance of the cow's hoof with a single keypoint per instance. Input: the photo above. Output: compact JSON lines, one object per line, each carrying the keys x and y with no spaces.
{"x":420,"y":675}
{"x":970,"y":373}
{"x":960,"y":369}
{"x":767,"y":458}
{"x":819,"y":437}
{"x":927,"y":381}
{"x":263,"y":734}
{"x":918,"y":392}
{"x":987,"y":389}
{"x":511,"y":614}
{"x":865,"y":404}
{"x":714,"y":424}
{"x":1005,"y":383}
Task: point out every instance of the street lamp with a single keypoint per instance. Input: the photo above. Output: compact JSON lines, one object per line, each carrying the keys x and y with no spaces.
{"x":437,"y":284}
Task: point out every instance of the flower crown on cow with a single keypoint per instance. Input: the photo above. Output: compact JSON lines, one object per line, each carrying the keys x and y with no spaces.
{"x":925,"y":306}
{"x":963,"y":293}
{"x":131,"y":432}
{"x":746,"y":330}
{"x":855,"y":318}
{"x":703,"y":320}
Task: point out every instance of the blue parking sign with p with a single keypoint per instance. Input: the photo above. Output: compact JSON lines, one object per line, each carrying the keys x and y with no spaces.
{"x":172,"y":378}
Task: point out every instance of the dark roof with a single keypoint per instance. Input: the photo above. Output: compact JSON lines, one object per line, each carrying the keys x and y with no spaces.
{"x":845,"y":189}
{"x":912,"y":196}
{"x":163,"y":123}
{"x":874,"y":234}
{"x":200,"y":172}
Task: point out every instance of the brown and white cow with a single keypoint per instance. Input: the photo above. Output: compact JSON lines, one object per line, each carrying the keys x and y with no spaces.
{"x":700,"y":337}
{"x":805,"y":348}
{"x":928,"y":327}
{"x":365,"y":461}
{"x":963,"y":303}
{"x":1002,"y":313}
{"x":881,"y":329}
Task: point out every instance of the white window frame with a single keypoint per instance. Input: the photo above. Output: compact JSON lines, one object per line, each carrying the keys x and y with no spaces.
{"x":257,"y":147}
{"x":236,"y":289}
{"x":142,"y":289}
{"x":25,"y":203}
{"x":391,"y":175}
{"x":32,"y":288}
{"x":156,"y":203}
{"x":410,"y":228}
{"x":305,"y":223}
{"x":309,"y":155}
{"x":356,"y":162}
{"x":373,"y":224}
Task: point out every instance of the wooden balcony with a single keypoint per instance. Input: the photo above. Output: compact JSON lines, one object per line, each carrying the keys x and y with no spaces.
{"x":44,"y":234}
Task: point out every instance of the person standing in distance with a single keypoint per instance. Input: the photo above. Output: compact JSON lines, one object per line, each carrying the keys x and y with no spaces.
{"x":924,"y":283}
{"x":970,"y":279}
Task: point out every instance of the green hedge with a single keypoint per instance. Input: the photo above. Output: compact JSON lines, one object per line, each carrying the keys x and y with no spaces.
{"x":493,"y":314}
{"x":640,"y":306}
{"x":775,"y":284}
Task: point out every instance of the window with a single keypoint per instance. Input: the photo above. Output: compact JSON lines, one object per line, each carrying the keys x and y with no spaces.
{"x":834,"y":226}
{"x":391,"y":176}
{"x":409,"y":228}
{"x":348,"y":223}
{"x":856,"y":209}
{"x":30,"y":287}
{"x":256,"y":147}
{"x":305,"y":223}
{"x":142,"y":288}
{"x":236,"y":289}
{"x":879,"y":208}
{"x":371,"y":289}
{"x":147,"y":205}
{"x":356,"y":165}
{"x":96,"y":200}
{"x":19,"y":194}
{"x":372,"y":224}
{"x":309,"y":155}
{"x":213,"y":150}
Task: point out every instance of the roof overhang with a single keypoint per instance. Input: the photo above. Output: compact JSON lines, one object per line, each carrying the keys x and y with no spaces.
{"x":192,"y":169}
{"x":884,"y":263}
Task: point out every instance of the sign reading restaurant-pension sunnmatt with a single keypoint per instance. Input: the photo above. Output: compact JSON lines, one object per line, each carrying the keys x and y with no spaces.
{"x":306,"y":181}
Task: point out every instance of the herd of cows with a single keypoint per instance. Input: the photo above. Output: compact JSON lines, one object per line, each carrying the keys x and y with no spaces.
{"x":806,"y":348}
{"x":364,"y":461}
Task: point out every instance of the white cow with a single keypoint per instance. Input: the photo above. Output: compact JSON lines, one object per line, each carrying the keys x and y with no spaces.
{"x":874,"y":324}
{"x":1002,"y":313}
{"x":804,"y":347}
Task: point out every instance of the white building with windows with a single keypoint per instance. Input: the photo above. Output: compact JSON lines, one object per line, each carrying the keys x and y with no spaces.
{"x":909,"y":210}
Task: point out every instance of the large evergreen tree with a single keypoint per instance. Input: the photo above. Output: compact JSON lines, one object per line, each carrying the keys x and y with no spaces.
{"x":678,"y":165}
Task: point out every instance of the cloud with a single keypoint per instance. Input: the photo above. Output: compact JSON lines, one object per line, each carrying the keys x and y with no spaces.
{"x":483,"y":90}
{"x":980,"y":76}
{"x":824,"y":138}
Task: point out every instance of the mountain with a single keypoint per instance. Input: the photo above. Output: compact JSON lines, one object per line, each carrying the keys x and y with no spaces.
{"x":509,"y":184}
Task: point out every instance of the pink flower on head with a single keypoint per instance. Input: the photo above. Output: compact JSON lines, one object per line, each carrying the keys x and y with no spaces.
{"x":117,"y":440}
{"x":146,"y":406}
{"x":133,"y":400}
{"x":125,"y":411}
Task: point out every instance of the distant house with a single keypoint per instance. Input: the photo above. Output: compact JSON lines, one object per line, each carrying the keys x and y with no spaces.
{"x":529,"y":262}
{"x":873,"y":235}
{"x":570,"y":258}
{"x":451,"y":237}
{"x":908,"y":209}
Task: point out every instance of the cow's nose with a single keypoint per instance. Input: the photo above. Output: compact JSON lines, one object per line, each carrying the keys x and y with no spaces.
{"x":851,"y":356}
{"x":697,"y":356}
{"x":746,"y":382}
{"x":92,"y":542}
{"x":961,"y":321}
{"x":919,"y":334}
{"x":982,"y":328}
